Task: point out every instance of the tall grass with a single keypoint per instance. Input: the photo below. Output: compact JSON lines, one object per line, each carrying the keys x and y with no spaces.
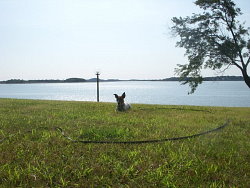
{"x":34,"y":154}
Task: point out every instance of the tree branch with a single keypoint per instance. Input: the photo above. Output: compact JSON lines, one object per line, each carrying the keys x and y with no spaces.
{"x":230,"y":27}
{"x":248,"y":61}
{"x":222,"y":71}
{"x":233,"y":62}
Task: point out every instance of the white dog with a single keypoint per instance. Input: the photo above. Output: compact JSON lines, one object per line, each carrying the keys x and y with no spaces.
{"x":121,"y":106}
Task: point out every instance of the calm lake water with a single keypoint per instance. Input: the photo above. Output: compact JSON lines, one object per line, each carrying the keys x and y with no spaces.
{"x":233,"y":94}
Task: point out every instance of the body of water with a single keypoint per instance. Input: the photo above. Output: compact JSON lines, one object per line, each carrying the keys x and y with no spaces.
{"x":227,"y":93}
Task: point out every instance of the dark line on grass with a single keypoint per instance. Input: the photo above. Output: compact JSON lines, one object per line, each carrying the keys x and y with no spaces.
{"x":142,"y":141}
{"x":123,"y":142}
{"x":184,"y":109}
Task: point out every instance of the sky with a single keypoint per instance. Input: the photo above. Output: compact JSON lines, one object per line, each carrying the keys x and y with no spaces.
{"x":122,"y":39}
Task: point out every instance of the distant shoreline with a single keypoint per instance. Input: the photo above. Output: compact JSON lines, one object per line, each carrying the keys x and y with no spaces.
{"x":82,"y":80}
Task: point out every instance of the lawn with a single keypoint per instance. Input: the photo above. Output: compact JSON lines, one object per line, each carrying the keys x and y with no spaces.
{"x":34,"y":153}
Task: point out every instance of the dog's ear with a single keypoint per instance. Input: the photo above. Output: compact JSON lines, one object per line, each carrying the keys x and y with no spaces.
{"x":116,"y":96}
{"x":123,"y":95}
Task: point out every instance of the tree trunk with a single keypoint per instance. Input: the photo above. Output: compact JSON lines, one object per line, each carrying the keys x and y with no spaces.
{"x":246,"y":77}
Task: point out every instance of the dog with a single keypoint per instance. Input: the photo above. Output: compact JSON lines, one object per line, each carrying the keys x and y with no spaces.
{"x":121,"y":106}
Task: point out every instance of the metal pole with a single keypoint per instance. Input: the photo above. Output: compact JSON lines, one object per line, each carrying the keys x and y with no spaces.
{"x":97,"y":81}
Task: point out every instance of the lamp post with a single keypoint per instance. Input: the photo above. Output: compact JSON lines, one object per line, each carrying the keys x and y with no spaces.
{"x":97,"y":82}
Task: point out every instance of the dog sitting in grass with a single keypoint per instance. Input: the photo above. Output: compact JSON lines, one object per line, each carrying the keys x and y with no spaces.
{"x":121,"y":106}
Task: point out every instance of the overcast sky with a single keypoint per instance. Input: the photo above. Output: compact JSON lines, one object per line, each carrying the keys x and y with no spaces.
{"x":124,"y":39}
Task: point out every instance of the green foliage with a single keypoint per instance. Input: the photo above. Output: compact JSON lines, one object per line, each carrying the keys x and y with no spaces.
{"x":39,"y":156}
{"x":213,"y":39}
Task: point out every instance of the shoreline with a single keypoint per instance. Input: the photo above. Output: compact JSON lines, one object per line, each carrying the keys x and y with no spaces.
{"x":82,"y":80}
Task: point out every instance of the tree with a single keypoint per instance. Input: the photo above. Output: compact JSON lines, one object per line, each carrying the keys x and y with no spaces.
{"x":214,"y":39}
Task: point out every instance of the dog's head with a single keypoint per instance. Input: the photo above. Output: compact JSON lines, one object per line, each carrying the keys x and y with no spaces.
{"x":120,"y":101}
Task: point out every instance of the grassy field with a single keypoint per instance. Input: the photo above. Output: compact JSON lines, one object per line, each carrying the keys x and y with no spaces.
{"x":34,"y":154}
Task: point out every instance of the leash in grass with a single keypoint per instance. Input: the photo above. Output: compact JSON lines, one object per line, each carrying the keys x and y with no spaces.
{"x":142,"y":141}
{"x":125,"y":142}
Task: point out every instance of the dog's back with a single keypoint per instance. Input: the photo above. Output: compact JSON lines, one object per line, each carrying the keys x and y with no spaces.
{"x":127,"y":106}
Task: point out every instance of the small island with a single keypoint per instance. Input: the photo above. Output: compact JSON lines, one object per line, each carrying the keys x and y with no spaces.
{"x":20,"y":81}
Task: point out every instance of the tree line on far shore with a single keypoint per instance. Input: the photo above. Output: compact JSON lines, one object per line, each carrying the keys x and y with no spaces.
{"x":75,"y":80}
{"x":20,"y":81}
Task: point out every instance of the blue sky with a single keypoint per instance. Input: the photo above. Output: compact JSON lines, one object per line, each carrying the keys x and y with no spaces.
{"x":124,"y":39}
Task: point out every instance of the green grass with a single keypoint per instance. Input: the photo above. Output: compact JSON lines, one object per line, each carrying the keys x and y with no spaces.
{"x":37,"y":155}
